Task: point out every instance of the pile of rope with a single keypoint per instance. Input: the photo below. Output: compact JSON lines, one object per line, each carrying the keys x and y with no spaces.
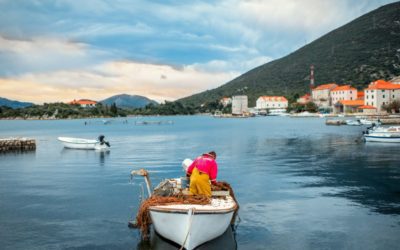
{"x":143,"y":220}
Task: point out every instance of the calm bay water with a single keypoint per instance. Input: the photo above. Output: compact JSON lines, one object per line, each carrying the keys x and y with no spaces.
{"x":300,"y":184}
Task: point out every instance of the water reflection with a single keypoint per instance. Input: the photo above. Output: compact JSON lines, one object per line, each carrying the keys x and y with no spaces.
{"x":364,"y":173}
{"x":68,"y":153}
{"x":156,"y":242}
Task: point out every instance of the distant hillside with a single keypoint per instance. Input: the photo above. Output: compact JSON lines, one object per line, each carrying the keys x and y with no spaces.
{"x":14,"y":104}
{"x":128,"y":101}
{"x":366,"y":49}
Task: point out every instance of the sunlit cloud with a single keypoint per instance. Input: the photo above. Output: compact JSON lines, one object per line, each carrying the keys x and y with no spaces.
{"x":158,"y":82}
{"x":61,"y":50}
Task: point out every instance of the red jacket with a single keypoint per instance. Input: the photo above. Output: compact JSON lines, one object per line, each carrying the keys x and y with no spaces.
{"x":205,"y":164}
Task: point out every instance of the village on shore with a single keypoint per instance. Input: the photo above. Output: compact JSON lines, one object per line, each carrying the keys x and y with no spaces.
{"x":380,"y":98}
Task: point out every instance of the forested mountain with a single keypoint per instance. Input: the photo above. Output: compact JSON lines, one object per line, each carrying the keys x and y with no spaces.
{"x":14,"y":104}
{"x":128,"y":101}
{"x":364,"y":50}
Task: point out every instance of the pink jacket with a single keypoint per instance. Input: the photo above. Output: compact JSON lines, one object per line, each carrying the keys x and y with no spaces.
{"x":205,"y":164}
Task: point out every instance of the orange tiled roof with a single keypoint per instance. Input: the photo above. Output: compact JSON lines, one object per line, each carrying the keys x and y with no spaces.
{"x":273,"y":98}
{"x":366,"y":107}
{"x":306,"y":96}
{"x":83,"y":102}
{"x":352,"y":102}
{"x":326,"y":86}
{"x":381,"y":84}
{"x":360,"y":94}
{"x":344,"y":87}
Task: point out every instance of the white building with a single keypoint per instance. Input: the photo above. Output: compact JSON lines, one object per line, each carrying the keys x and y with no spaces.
{"x":380,"y":93}
{"x":239,"y":104}
{"x":345,"y":92}
{"x":321,"y":95}
{"x":304,"y":99}
{"x":271,"y":102}
{"x":225,"y":101}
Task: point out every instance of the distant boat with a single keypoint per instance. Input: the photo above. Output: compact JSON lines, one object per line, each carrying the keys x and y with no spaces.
{"x":382,"y":137}
{"x":80,"y":143}
{"x":383,"y":134}
{"x":353,"y":122}
{"x":153,"y":122}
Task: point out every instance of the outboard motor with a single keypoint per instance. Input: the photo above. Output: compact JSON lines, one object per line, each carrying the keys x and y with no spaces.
{"x":102,"y":141}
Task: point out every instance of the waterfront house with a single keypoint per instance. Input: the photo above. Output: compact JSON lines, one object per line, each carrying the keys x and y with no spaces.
{"x":83,"y":103}
{"x":304,"y":99}
{"x":380,"y":93}
{"x":342,"y":93}
{"x":271,"y":102}
{"x":239,"y":104}
{"x":225,"y":101}
{"x":366,"y":109}
{"x":348,"y":106}
{"x":321,"y":96}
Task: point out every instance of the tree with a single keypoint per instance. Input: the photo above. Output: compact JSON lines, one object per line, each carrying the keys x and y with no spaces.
{"x":114,"y":109}
{"x":393,"y":107}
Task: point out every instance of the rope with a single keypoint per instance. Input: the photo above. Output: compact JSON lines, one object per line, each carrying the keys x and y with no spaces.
{"x":190,"y":213}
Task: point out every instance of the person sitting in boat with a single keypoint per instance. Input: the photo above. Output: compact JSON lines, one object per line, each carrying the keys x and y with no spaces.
{"x":203,"y":170}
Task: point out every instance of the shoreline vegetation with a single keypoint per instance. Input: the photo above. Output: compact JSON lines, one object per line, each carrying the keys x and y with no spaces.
{"x":56,"y":111}
{"x":59,"y":111}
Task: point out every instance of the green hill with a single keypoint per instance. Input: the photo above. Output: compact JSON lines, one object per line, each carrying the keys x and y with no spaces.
{"x":14,"y":104}
{"x":128,"y":101}
{"x":366,"y":49}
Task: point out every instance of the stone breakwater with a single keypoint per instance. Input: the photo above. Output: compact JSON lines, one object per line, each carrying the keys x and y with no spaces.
{"x":14,"y":144}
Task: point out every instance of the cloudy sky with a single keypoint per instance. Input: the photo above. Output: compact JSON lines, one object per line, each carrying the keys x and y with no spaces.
{"x":167,"y":49}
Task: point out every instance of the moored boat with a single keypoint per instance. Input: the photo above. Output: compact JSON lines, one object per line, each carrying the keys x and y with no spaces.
{"x":382,"y":137}
{"x":80,"y":143}
{"x":353,"y":122}
{"x":383,"y":134}
{"x":185,"y":219}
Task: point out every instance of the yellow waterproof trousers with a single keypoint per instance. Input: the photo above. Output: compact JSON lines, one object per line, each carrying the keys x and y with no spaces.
{"x":200,"y":183}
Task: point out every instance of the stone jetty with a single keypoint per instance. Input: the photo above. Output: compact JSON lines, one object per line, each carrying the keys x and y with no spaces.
{"x":17,"y":144}
{"x":335,"y":122}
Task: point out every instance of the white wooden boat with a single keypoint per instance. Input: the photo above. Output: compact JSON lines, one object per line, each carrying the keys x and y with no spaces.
{"x":190,"y":225}
{"x":80,"y":143}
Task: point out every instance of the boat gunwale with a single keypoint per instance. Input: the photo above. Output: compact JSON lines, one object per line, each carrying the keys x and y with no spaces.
{"x":197,"y":211}
{"x":382,"y":137}
{"x":88,"y":141}
{"x":165,"y":209}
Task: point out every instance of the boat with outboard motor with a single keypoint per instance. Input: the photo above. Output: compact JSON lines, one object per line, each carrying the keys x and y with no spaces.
{"x":383,"y":134}
{"x":185,"y":219}
{"x":80,"y":143}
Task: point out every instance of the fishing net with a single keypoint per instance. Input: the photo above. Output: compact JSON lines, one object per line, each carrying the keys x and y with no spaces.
{"x":143,"y":220}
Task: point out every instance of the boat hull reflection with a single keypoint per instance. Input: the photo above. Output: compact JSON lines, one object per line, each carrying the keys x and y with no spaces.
{"x":226,"y":241}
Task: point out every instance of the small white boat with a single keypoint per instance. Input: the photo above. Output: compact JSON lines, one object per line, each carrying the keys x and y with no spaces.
{"x":80,"y":143}
{"x":383,"y":134}
{"x":382,"y":137}
{"x":190,"y":225}
{"x":353,"y":122}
